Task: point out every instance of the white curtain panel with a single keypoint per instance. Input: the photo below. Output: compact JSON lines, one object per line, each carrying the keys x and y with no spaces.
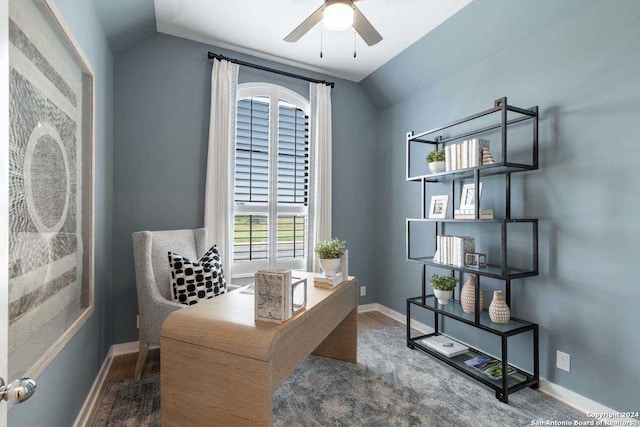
{"x":320,"y":170}
{"x":218,"y":197}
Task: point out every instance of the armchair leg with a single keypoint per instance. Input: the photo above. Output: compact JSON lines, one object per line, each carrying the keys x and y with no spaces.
{"x":142,"y":357}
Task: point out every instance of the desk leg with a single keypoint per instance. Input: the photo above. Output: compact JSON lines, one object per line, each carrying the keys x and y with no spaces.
{"x":201,"y":387}
{"x":342,"y":342}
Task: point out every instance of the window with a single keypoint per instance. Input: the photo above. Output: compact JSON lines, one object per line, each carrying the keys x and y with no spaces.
{"x":271,"y":185}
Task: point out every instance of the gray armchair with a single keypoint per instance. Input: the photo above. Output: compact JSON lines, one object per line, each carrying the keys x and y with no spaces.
{"x":150,"y":250}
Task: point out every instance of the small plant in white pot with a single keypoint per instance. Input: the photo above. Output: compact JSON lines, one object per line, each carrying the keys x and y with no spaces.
{"x":329,"y":253}
{"x":443,"y":287}
{"x":436,"y":160}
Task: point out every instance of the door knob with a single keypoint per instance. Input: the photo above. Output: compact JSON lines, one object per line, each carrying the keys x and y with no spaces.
{"x":18,"y":391}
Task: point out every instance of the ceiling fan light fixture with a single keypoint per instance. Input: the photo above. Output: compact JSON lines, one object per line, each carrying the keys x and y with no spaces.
{"x":338,"y":15}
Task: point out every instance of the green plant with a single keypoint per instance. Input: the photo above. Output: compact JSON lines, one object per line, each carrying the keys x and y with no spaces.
{"x":330,"y":249}
{"x":443,"y":283}
{"x":436,"y":156}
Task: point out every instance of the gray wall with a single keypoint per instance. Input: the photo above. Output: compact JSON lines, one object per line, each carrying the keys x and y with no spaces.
{"x":162,"y":100}
{"x":64,"y":385}
{"x":582,"y":71}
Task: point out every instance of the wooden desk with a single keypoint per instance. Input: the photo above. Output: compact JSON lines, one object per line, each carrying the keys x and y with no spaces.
{"x":220,"y":368}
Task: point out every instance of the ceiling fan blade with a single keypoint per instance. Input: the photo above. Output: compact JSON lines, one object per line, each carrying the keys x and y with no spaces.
{"x":362,"y":25}
{"x":306,"y":25}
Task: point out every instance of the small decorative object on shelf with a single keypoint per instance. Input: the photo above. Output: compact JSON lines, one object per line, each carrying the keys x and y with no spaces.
{"x":436,"y":161}
{"x":438,"y":208}
{"x":498,"y":309}
{"x":471,"y":214}
{"x":487,"y":158}
{"x":468,"y":296}
{"x":329,"y":253}
{"x":468,"y":197}
{"x":445,"y":345}
{"x":443,"y":287}
{"x":474,"y":259}
{"x":489,"y":367}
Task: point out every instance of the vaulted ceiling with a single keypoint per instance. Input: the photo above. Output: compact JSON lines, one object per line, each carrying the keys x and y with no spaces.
{"x":258,"y":27}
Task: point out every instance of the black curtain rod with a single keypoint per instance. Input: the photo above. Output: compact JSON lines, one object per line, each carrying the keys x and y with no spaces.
{"x":271,"y":70}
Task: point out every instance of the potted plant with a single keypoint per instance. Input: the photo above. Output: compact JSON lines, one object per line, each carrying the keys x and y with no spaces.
{"x":436,"y":161}
{"x":443,"y":287}
{"x":329,"y":253}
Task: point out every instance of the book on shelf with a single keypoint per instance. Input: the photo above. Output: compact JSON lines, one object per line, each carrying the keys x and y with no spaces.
{"x":471,"y":214}
{"x":445,"y":345}
{"x":488,"y":366}
{"x":451,"y":250}
{"x":467,"y":154}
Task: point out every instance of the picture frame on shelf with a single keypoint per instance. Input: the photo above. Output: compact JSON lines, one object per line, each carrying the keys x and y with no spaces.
{"x":468,"y":195}
{"x":438,"y":208}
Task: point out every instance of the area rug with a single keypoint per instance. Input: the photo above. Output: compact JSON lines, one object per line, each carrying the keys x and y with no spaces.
{"x":390,"y":386}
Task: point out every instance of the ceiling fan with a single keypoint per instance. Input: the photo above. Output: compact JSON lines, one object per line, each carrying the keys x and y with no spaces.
{"x":338,"y":15}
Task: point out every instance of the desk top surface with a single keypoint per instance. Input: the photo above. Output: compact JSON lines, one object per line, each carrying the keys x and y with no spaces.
{"x":227,"y":322}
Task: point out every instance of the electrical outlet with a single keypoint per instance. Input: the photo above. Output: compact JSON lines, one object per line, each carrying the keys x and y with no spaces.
{"x":563,"y":361}
{"x":138,"y":321}
{"x":363,"y":291}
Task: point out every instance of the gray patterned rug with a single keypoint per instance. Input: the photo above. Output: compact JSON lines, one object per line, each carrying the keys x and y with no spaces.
{"x":390,"y":386}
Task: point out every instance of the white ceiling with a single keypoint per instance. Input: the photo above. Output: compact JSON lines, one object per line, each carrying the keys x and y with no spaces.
{"x":258,"y":27}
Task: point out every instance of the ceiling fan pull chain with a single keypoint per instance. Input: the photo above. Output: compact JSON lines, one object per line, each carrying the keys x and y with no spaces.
{"x":321,"y":33}
{"x":354,"y":43}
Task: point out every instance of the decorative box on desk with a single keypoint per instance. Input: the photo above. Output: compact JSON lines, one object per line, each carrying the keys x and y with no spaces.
{"x":274,"y":295}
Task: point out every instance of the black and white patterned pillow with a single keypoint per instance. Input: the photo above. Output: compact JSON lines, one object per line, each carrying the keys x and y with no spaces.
{"x":193,"y":281}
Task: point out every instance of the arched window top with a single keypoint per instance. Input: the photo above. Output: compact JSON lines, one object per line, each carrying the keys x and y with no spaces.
{"x":273,"y":91}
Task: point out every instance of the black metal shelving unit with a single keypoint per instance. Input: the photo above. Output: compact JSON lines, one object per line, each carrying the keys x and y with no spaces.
{"x":498,"y":270}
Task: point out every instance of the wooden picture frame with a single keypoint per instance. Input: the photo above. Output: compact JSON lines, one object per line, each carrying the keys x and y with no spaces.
{"x":438,"y":207}
{"x":51,"y":220}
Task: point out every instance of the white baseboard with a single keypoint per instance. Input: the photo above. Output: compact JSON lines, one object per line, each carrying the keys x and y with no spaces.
{"x":418,"y":326}
{"x":363,"y":308}
{"x":564,"y":395}
{"x":583,"y":404}
{"x":84,"y":416}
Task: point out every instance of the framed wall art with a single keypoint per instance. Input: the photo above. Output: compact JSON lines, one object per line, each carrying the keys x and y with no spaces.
{"x":51,"y":247}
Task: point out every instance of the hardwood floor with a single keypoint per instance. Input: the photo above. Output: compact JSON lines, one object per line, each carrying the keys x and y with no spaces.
{"x":124,"y":366}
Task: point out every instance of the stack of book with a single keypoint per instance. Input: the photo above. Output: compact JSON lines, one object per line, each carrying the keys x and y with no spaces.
{"x":273,"y":295}
{"x":488,"y":366}
{"x":445,"y":345}
{"x":467,"y":154}
{"x":471,"y":214}
{"x":322,"y":281}
{"x":451,"y":250}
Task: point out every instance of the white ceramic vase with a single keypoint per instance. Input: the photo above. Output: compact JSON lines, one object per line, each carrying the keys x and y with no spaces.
{"x":330,"y":266}
{"x":437,"y":167}
{"x":443,"y":296}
